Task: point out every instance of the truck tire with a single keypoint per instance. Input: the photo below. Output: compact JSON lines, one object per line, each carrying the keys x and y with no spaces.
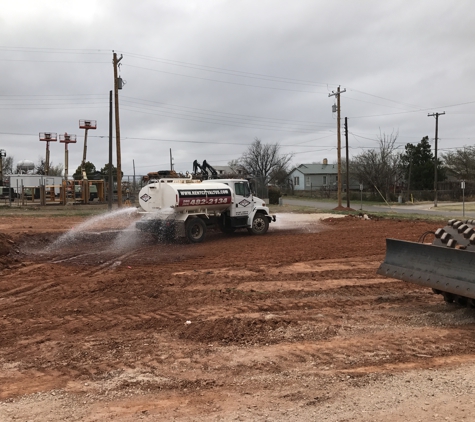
{"x":260,"y":224}
{"x":195,"y":230}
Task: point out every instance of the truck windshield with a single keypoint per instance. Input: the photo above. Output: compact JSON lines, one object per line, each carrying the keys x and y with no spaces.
{"x":242,"y":188}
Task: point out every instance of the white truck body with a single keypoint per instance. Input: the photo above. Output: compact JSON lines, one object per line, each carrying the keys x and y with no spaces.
{"x":172,"y":206}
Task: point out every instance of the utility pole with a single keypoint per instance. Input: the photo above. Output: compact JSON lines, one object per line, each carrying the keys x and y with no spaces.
{"x":134,"y":186}
{"x":409,"y":179}
{"x":347,"y":166}
{"x":117,"y":86}
{"x":171,"y":160}
{"x":110,"y":187}
{"x":3,"y":154}
{"x":337,"y":95}
{"x":436,"y":115}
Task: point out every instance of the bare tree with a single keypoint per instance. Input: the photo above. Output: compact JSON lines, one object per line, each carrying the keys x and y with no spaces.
{"x":379,"y":168}
{"x":461,"y":162}
{"x":264,"y":160}
{"x":236,"y":167}
{"x":53,"y":170}
{"x":7,"y":164}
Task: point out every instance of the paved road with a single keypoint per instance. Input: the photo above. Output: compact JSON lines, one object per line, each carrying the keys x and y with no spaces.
{"x":425,"y":208}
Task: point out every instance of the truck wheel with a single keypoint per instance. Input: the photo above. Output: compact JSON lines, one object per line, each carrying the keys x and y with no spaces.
{"x":260,"y":224}
{"x":195,"y":230}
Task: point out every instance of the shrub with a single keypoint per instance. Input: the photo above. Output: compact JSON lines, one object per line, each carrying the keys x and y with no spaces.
{"x":274,"y":195}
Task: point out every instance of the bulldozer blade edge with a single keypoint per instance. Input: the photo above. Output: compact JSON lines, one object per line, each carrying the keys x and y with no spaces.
{"x":443,"y":269}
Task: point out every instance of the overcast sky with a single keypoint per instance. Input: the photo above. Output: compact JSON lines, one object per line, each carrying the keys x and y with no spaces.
{"x":205,"y":78}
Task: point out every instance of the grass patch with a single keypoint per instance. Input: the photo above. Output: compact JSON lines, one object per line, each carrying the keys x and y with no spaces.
{"x":300,"y":209}
{"x":96,"y":209}
{"x":54,"y":210}
{"x":470,"y":207}
{"x":334,"y":200}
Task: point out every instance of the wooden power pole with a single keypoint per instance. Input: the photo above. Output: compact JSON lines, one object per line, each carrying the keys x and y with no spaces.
{"x":347,"y":166}
{"x":110,"y":185}
{"x":117,"y":86}
{"x":337,"y":95}
{"x":436,"y":115}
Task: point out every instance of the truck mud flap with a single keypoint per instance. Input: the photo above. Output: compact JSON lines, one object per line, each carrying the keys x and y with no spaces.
{"x":441,"y":268}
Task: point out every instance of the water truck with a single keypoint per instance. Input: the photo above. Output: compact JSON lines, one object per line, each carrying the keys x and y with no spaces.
{"x":186,"y":207}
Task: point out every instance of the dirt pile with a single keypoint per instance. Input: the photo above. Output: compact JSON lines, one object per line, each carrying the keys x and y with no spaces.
{"x":6,"y":245}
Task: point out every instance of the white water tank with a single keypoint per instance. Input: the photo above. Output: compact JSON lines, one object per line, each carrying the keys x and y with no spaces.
{"x":171,"y":194}
{"x":24,"y":166}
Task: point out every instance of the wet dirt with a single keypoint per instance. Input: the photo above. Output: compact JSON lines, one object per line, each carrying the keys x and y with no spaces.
{"x":107,"y":324}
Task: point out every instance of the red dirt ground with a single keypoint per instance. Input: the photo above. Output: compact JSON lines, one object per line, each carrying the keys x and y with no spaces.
{"x":293,"y":325}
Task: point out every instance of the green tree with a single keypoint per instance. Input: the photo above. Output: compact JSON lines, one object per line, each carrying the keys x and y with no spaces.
{"x":461,"y":162}
{"x":105,"y":172}
{"x":418,"y":165}
{"x":90,"y":171}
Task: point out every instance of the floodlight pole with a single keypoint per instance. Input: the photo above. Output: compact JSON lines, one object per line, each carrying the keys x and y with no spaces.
{"x":66,"y":139}
{"x":47,"y":137}
{"x":86,"y":125}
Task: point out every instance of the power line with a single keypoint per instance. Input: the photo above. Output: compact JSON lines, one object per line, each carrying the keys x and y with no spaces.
{"x":224,"y":82}
{"x":217,"y":122}
{"x":382,"y":98}
{"x":50,"y":61}
{"x":413,"y":111}
{"x":247,"y":122}
{"x":47,"y":50}
{"x":161,"y":104}
{"x":230,"y":71}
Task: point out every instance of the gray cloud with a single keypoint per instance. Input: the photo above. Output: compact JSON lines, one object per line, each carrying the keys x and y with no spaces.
{"x":205,"y":78}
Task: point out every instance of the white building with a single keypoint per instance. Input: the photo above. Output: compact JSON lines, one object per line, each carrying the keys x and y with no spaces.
{"x":17,"y":181}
